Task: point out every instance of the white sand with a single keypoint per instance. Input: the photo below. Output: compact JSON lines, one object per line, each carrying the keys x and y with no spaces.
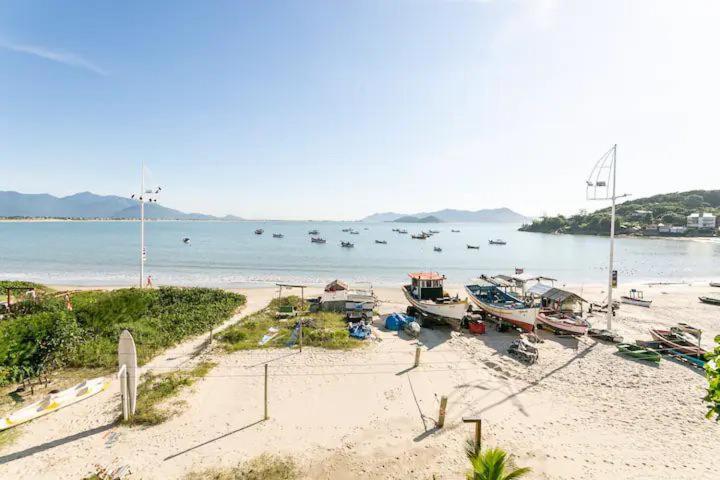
{"x":577,"y":414}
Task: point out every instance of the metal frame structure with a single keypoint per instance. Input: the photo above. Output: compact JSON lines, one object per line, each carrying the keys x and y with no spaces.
{"x":145,"y":196}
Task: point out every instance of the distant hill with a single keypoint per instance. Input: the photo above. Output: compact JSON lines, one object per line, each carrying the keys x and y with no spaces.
{"x":670,"y":209}
{"x":88,"y":205}
{"x":491,"y":215}
{"x":411,"y":219}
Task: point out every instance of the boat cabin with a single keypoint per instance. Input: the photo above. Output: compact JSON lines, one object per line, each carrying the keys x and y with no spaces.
{"x":562,"y":301}
{"x":427,"y":285}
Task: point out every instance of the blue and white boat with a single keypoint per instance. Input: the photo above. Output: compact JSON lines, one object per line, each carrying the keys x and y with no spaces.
{"x":495,"y":300}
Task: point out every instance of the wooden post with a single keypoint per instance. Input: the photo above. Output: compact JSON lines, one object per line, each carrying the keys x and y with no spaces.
{"x":266,"y":393}
{"x":443,"y":409}
{"x":301,"y":334}
{"x":478,"y":431}
{"x":417,"y":356}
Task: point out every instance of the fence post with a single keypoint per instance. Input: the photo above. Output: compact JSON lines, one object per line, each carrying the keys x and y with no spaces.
{"x":301,"y":334}
{"x":417,"y":356}
{"x":266,"y":392}
{"x":443,"y":409}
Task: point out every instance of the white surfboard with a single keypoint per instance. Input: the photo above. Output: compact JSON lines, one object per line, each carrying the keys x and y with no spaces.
{"x":55,"y":401}
{"x":127,"y":355}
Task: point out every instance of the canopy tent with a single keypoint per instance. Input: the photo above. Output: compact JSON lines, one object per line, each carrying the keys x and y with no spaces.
{"x":561,"y":296}
{"x":539,"y":289}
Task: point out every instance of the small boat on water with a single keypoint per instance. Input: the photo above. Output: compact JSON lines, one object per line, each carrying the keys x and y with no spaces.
{"x":317,"y":240}
{"x":278,"y":235}
{"x":635,"y":298}
{"x":473,"y":247}
{"x":381,"y":242}
{"x":354,"y":232}
{"x":420,"y":236}
{"x":186,"y":240}
{"x":345,"y":230}
{"x":562,"y":322}
{"x":641,"y":353}
{"x":496,"y":301}
{"x":426,"y":293}
{"x":313,"y":232}
{"x":432,"y":232}
{"x":259,"y":231}
{"x":347,"y":244}
{"x":402,"y":232}
{"x":455,"y":231}
{"x":437,"y":249}
{"x":675,"y":340}
{"x":710,"y":300}
{"x":497,"y":242}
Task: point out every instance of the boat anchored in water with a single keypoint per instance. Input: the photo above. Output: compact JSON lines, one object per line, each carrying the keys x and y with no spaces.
{"x":437,"y":249}
{"x":278,"y":235}
{"x":426,"y":294}
{"x":473,"y":247}
{"x":317,"y":240}
{"x":313,"y":232}
{"x":381,"y":242}
{"x":347,"y":244}
{"x":259,"y":231}
{"x":496,"y":301}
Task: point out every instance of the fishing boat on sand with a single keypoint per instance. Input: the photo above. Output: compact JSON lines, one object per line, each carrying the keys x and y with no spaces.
{"x":635,"y":298}
{"x":317,"y":240}
{"x":562,"y":322}
{"x":675,"y":340}
{"x":259,"y":231}
{"x":496,"y":301}
{"x":426,"y":293}
{"x":497,"y":242}
{"x":710,"y":300}
{"x":473,"y":247}
{"x":641,"y":353}
{"x":715,"y":284}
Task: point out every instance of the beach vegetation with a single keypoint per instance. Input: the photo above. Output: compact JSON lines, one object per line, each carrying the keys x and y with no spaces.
{"x":321,"y":329}
{"x":670,"y":209}
{"x":8,"y":437}
{"x":157,"y":389}
{"x":43,"y":335}
{"x":492,"y":464}
{"x":712,"y":371}
{"x":263,"y":467}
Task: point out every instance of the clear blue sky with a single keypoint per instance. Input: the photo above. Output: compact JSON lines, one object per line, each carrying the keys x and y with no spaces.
{"x":338,"y":109}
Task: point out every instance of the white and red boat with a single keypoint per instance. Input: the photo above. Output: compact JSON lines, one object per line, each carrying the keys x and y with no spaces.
{"x":499,"y":303}
{"x":562,"y":322}
{"x":426,"y":293}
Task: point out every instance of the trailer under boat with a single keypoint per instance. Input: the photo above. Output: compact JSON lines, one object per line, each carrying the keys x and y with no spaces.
{"x":427,"y":295}
{"x":492,"y":299}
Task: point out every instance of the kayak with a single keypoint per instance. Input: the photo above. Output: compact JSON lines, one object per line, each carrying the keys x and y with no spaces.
{"x":641,"y":353}
{"x":55,"y":401}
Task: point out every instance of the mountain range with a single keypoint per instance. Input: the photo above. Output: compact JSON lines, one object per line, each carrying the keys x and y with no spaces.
{"x":89,"y":205}
{"x":488,"y":215}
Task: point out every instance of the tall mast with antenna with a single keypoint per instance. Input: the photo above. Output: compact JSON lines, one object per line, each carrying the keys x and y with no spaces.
{"x":145,"y":195}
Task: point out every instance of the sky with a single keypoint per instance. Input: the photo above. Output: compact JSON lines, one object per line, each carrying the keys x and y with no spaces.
{"x":339,"y":109}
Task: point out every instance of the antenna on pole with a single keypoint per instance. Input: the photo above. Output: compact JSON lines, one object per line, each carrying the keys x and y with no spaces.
{"x":600,"y":185}
{"x":146,"y":195}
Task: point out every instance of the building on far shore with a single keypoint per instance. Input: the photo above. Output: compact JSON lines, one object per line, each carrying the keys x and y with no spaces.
{"x":701,"y":221}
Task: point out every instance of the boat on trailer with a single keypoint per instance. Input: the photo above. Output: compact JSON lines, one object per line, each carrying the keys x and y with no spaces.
{"x":635,"y":298}
{"x":496,"y":301}
{"x":427,"y":294}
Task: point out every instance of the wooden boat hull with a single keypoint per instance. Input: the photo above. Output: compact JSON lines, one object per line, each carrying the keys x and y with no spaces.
{"x":664,"y":336}
{"x":715,"y":284}
{"x":641,"y":353}
{"x":710,"y":300}
{"x":635,"y":301}
{"x":54,"y":402}
{"x":567,"y":325}
{"x":523,"y":318}
{"x":453,"y":310}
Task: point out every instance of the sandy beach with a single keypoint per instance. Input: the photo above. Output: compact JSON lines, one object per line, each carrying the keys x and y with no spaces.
{"x":581,"y":412}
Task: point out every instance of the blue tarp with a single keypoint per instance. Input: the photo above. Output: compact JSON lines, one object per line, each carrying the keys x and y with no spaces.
{"x":359,"y":330}
{"x":397,"y":321}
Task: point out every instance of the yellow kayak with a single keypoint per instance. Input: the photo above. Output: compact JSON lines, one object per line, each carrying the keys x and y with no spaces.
{"x":55,"y":401}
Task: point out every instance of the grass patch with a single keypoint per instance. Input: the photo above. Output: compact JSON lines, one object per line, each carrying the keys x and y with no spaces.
{"x":8,"y":437}
{"x":157,"y":389}
{"x":43,"y":336}
{"x":263,"y":467}
{"x":328,"y":329}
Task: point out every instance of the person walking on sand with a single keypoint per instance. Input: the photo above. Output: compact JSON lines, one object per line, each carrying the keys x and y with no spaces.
{"x":149,"y":281}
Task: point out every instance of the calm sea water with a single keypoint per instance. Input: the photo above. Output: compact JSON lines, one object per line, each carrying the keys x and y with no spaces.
{"x":230,"y":254}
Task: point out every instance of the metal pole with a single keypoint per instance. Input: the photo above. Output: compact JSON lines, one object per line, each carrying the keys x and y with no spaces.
{"x":612,"y":242}
{"x":266,"y":392}
{"x":142,"y":224}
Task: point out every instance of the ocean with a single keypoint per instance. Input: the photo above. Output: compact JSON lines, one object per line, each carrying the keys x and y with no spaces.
{"x":229,"y":254}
